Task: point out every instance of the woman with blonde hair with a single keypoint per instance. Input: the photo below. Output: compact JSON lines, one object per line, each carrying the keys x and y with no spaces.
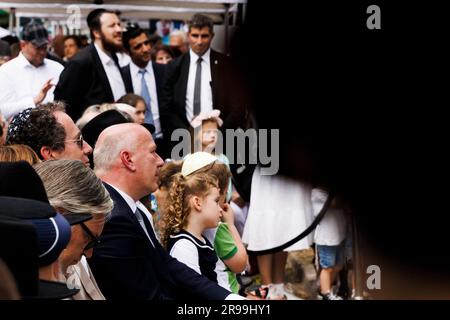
{"x":18,"y":152}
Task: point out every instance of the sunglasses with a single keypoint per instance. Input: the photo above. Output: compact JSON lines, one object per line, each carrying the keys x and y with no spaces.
{"x":94,"y":240}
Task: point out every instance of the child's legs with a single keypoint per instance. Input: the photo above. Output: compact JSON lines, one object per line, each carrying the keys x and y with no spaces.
{"x":265,"y":268}
{"x":279,"y":263}
{"x":326,"y":275}
{"x":330,"y":263}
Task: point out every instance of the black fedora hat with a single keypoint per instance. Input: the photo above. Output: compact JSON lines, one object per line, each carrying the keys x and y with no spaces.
{"x":20,"y":180}
{"x":93,"y":128}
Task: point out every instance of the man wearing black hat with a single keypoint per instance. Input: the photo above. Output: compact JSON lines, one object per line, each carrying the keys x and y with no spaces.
{"x":93,"y":76}
{"x":28,"y":79}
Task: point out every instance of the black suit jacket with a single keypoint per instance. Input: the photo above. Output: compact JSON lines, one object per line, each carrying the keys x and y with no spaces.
{"x":127,"y":266}
{"x":83,"y":83}
{"x":225,"y":83}
{"x":159,"y":71}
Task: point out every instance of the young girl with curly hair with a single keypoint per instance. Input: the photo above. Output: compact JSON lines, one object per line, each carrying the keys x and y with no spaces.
{"x":194,"y":207}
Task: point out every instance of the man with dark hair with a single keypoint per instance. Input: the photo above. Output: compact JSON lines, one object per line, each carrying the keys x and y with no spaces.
{"x":94,"y":76}
{"x":147,"y":78}
{"x":50,"y":132}
{"x":72,"y":44}
{"x":199,"y":81}
{"x":28,"y":79}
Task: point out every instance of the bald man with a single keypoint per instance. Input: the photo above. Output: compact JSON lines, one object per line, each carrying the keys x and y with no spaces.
{"x":129,"y":262}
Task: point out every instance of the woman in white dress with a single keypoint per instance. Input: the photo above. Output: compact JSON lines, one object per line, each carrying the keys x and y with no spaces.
{"x":280,"y":209}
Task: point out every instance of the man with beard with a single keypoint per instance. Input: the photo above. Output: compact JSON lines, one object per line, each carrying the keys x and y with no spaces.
{"x":94,"y":76}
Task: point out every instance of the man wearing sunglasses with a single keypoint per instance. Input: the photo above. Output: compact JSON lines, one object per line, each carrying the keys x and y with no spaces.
{"x":50,"y":132}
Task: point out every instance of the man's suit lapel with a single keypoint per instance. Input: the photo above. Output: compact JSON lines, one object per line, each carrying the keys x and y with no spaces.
{"x":121,"y":206}
{"x":126,"y":77}
{"x":184,"y":76}
{"x":158,"y":70}
{"x":214,"y":62}
{"x":102,"y":74}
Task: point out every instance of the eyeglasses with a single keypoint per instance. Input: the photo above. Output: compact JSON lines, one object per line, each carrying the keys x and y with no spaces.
{"x":94,"y":240}
{"x":79,"y":141}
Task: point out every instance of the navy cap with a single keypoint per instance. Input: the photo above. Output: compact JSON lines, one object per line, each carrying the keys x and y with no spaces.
{"x":35,"y":33}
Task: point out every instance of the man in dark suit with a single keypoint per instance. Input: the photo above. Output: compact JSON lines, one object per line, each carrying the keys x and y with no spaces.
{"x":93,"y":76}
{"x":147,"y":79}
{"x":129,"y":262}
{"x":199,"y":81}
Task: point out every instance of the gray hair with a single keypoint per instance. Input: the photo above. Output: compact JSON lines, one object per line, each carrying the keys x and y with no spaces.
{"x":107,"y":152}
{"x":72,"y":186}
{"x":179,"y":34}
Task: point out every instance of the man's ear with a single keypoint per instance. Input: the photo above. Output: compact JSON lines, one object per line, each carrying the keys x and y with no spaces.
{"x":47,"y":153}
{"x":22,"y":44}
{"x":127,"y":161}
{"x":97,"y":34}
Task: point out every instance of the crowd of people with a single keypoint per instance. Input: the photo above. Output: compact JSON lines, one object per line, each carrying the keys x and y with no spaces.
{"x":88,"y":176}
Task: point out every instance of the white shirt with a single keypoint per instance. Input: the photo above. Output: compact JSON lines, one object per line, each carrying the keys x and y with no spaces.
{"x":133,"y":206}
{"x":20,"y":83}
{"x":149,"y":77}
{"x":113,"y":74}
{"x":124,"y":59}
{"x":186,"y":252}
{"x":206,"y":103}
{"x":332,"y":229}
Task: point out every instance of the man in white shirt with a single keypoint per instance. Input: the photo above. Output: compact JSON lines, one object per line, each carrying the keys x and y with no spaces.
{"x":147,"y":78}
{"x":93,"y":76}
{"x":28,"y":79}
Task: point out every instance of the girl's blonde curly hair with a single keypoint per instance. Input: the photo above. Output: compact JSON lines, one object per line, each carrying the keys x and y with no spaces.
{"x":181,"y":191}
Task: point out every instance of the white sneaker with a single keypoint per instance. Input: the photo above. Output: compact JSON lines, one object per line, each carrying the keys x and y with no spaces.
{"x":328,"y":296}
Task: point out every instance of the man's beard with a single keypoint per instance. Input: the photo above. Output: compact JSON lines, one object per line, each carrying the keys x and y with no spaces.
{"x":110,"y":46}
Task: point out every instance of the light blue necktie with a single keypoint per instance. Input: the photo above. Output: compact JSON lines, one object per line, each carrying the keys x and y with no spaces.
{"x":145,"y":94}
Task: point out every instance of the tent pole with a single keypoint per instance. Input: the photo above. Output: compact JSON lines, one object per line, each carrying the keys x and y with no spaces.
{"x":227,"y":18}
{"x":12,"y":19}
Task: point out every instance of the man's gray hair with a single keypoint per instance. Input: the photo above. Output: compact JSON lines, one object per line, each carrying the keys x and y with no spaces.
{"x":72,"y":186}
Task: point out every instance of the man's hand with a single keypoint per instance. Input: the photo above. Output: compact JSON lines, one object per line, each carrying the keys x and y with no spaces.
{"x":43,"y":92}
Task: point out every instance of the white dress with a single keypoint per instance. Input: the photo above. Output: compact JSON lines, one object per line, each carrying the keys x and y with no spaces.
{"x":280,"y":209}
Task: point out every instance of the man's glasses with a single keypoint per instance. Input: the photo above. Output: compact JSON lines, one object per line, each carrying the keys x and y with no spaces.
{"x":94,"y":240}
{"x":78,"y":141}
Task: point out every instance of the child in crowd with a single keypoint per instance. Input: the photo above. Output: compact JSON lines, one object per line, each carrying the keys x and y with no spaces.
{"x":330,"y":239}
{"x":194,"y":207}
{"x":225,"y":238}
{"x":227,"y":242}
{"x":205,"y":136}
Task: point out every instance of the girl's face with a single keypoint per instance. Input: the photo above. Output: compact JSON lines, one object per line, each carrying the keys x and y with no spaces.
{"x":209,"y":135}
{"x":163,"y":57}
{"x":140,"y":111}
{"x":211,"y":210}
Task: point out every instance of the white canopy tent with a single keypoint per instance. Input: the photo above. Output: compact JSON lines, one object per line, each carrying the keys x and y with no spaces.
{"x":132,"y":9}
{"x":61,"y":13}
